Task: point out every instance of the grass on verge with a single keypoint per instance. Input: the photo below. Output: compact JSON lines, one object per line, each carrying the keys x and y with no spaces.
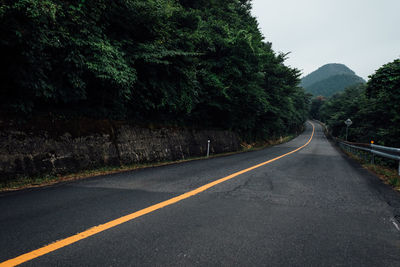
{"x":387,"y":175}
{"x":46,"y":180}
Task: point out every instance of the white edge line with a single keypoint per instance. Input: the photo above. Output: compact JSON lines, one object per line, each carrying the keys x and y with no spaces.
{"x":395,"y":224}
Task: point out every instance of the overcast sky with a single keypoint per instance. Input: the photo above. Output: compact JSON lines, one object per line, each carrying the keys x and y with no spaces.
{"x":362,"y":34}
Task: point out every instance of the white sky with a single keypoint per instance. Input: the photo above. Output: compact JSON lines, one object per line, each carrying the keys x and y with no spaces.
{"x":362,"y":34}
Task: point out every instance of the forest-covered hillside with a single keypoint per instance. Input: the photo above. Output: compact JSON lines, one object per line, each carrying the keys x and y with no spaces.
{"x":324,"y":72}
{"x":373,"y":107}
{"x":334,"y":84}
{"x":190,"y":63}
{"x":330,"y":79}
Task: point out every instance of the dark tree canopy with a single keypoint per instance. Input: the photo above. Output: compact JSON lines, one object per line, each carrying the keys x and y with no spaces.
{"x":192,"y":63}
{"x":374,"y":108}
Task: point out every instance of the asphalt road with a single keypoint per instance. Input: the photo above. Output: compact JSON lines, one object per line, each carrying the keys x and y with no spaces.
{"x":314,"y":207}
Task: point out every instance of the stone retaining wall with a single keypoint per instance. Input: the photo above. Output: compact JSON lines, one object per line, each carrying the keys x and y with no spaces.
{"x":26,"y":154}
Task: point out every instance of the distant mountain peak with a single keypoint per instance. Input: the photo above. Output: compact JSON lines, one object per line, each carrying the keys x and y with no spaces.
{"x":330,"y":79}
{"x":337,"y":68}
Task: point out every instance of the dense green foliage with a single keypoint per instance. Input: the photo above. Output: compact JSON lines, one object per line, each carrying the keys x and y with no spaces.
{"x":374,"y":108}
{"x":324,"y":72}
{"x":330,"y":79}
{"x":197,"y":63}
{"x":315,"y":108}
{"x":334,"y":84}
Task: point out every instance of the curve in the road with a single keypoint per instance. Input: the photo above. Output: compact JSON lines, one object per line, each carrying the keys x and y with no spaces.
{"x":100,"y":228}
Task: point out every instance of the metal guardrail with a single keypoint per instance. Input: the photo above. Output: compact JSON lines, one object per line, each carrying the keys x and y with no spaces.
{"x":382,"y":151}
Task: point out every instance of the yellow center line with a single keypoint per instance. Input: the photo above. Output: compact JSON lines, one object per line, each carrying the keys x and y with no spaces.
{"x":100,"y":228}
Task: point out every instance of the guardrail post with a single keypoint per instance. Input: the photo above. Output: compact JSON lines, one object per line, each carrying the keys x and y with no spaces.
{"x":399,"y":168}
{"x":372,"y":158}
{"x":208,"y":148}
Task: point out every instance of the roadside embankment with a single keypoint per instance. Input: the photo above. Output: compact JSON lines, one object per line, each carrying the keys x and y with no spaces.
{"x":385,"y":169}
{"x":93,"y":144}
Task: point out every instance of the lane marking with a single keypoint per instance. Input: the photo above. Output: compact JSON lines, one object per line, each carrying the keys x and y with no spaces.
{"x":393,"y":220}
{"x":103,"y":227}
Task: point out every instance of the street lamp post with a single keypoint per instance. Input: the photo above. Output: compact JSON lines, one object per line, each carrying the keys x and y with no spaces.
{"x":348,"y":122}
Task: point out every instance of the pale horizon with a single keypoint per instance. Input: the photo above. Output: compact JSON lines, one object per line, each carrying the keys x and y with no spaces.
{"x":363,"y":35}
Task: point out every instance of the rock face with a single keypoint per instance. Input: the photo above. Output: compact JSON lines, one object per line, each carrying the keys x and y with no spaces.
{"x":26,"y":154}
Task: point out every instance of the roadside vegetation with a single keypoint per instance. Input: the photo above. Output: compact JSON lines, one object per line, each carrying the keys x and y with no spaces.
{"x":383,"y":168}
{"x":172,"y":62}
{"x":374,"y":109}
{"x":24,"y":182}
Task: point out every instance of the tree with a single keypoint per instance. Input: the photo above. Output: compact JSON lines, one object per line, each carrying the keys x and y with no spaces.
{"x":188,"y":63}
{"x":316,"y":104}
{"x":374,"y":108}
{"x":383,"y":92}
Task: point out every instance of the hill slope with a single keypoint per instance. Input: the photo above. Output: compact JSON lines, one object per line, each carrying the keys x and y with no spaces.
{"x":334,"y":84}
{"x":330,"y":79}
